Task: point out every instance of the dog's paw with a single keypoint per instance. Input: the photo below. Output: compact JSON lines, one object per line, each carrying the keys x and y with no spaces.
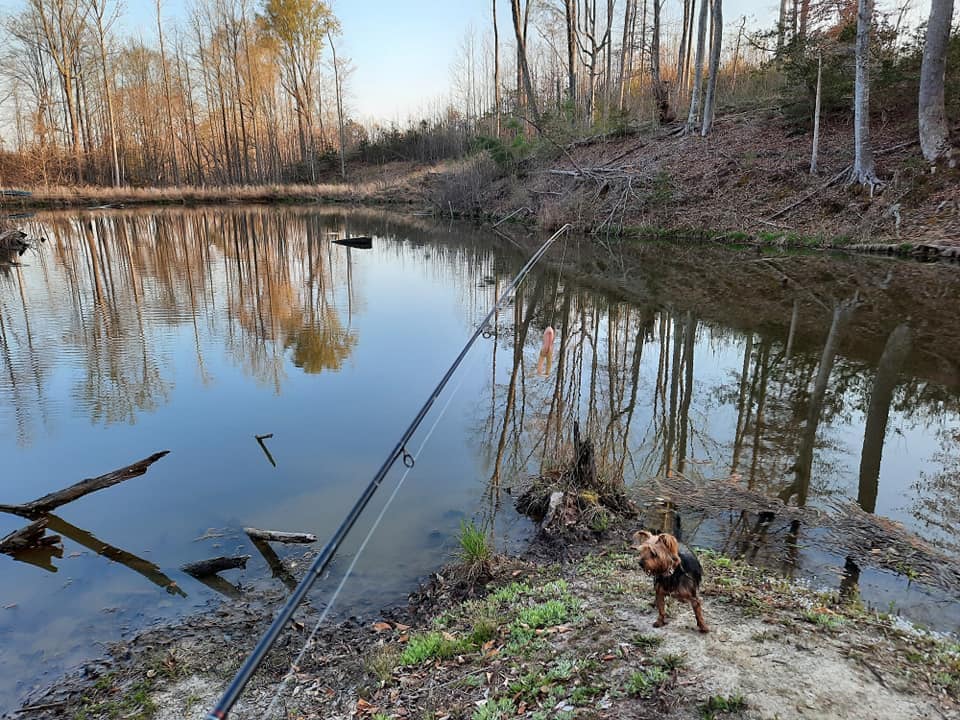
{"x":660,"y":622}
{"x":703,"y":629}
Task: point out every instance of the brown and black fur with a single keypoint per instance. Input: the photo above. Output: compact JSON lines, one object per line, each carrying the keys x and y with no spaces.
{"x":675,"y":571}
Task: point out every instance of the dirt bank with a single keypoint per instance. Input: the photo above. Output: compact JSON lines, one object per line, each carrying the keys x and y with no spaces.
{"x":547,"y":639}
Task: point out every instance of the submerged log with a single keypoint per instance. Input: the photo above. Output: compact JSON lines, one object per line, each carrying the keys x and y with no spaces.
{"x":47,"y":503}
{"x":27,"y":538}
{"x":361,"y":243}
{"x":281,"y":537}
{"x":206,"y":568}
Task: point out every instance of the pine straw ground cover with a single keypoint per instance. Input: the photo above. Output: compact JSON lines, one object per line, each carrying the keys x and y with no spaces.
{"x":548,"y":641}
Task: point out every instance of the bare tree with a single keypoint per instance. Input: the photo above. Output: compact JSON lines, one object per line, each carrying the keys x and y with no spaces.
{"x":338,"y":86}
{"x":570,"y":15}
{"x":496,"y":69}
{"x":816,"y":117}
{"x":519,"y":29}
{"x":103,"y":22}
{"x":934,"y":131}
{"x":709,"y":102}
{"x":864,"y":169}
{"x":698,"y":69}
{"x":63,"y":23}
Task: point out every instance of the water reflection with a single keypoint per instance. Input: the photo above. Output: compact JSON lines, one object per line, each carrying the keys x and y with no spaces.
{"x":228,"y":334}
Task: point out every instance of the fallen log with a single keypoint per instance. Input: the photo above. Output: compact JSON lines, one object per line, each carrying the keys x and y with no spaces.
{"x":27,"y":538}
{"x":360,"y":242}
{"x":47,"y":503}
{"x":281,"y":537}
{"x":206,"y":568}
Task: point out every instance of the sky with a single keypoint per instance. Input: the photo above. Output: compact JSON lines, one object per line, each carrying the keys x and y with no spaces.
{"x":403,"y":50}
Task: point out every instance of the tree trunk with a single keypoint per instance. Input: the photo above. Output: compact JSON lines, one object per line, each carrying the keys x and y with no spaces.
{"x":888,"y":370}
{"x":864,"y":170}
{"x":934,"y":132}
{"x":681,"y":55}
{"x":661,"y":94}
{"x":781,"y":26}
{"x":709,"y":102}
{"x":816,"y":118}
{"x":698,"y":69}
{"x":804,"y":17}
{"x":339,"y":99}
{"x":496,"y":70}
{"x":518,"y":28}
{"x":166,"y":93}
{"x":570,"y":7}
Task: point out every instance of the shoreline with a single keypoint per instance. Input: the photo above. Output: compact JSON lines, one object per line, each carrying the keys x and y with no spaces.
{"x":556,"y":632}
{"x":106,"y":199}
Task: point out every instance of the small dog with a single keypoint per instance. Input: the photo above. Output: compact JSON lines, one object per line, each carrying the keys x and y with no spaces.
{"x":675,"y":570}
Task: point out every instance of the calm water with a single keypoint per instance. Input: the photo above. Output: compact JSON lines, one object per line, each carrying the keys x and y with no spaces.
{"x":194,"y":331}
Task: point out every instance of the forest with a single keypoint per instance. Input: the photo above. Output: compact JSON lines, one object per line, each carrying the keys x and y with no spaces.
{"x":253,"y":93}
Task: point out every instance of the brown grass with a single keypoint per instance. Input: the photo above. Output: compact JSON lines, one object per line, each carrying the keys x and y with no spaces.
{"x":399,"y":185}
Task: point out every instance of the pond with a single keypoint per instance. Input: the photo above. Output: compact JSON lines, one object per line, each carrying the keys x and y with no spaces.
{"x":194,"y":331}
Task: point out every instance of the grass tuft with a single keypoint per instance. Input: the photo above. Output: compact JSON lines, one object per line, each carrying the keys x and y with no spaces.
{"x":722,"y":704}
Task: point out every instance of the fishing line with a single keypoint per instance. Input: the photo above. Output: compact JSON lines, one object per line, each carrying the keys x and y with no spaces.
{"x":373,"y":528}
{"x":320,"y":563}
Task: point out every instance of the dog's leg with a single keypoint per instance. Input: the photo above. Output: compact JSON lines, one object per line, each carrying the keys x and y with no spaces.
{"x":661,"y":603}
{"x":698,"y":611}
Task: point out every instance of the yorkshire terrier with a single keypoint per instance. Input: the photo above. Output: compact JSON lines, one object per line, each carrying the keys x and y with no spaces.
{"x":675,"y":571}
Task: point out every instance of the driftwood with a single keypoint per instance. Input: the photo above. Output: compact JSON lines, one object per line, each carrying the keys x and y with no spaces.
{"x":206,"y":568}
{"x":27,"y":538}
{"x":47,"y":503}
{"x":281,"y":537}
{"x":361,"y":243}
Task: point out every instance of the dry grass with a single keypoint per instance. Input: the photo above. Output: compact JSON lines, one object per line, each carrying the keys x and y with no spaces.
{"x":398,"y":185}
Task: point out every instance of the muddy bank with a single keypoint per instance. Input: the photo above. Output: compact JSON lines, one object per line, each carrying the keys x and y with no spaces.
{"x":546,"y":639}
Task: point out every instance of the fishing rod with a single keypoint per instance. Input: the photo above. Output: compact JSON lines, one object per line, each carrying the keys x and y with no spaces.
{"x":322,"y":561}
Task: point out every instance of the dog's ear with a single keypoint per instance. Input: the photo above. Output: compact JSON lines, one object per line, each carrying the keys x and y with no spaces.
{"x":640,"y":537}
{"x":670,"y":544}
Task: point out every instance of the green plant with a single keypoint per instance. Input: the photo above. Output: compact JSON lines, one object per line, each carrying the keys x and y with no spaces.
{"x":381,"y":662}
{"x":495,"y":710}
{"x":475,"y":553}
{"x":585,"y":694}
{"x":548,"y":614}
{"x":432,"y":646}
{"x":828,"y":621}
{"x":671,"y":661}
{"x":720,"y":704}
{"x":644,"y":682}
{"x":647,"y":642}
